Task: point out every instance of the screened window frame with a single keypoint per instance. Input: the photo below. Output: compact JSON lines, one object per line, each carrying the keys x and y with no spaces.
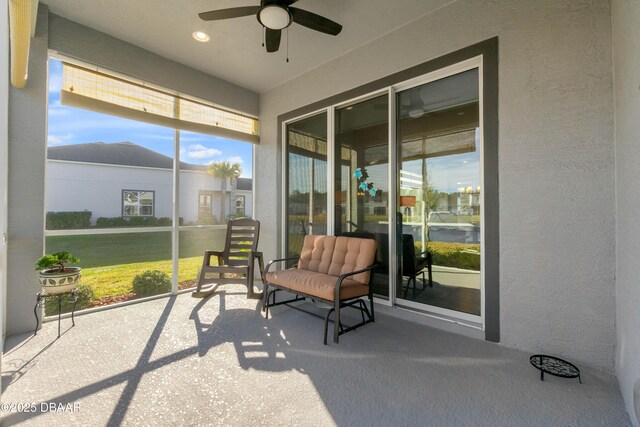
{"x":176,"y":228}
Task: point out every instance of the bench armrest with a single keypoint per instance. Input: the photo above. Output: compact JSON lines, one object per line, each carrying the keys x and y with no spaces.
{"x":266,"y":270}
{"x":344,"y":276}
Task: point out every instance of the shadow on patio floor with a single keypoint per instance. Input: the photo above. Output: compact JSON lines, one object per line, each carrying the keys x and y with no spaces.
{"x":219,"y":361}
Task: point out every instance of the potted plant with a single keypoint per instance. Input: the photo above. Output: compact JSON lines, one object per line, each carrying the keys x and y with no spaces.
{"x":54,"y":276}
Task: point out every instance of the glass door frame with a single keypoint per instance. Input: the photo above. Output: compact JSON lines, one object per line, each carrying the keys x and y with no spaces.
{"x":466,"y":65}
{"x":331,"y":111}
{"x":474,"y":62}
{"x":393,"y":259}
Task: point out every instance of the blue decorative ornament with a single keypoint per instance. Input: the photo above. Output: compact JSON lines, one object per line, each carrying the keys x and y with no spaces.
{"x":373,"y":192}
{"x":357,"y":173}
{"x":363,"y":186}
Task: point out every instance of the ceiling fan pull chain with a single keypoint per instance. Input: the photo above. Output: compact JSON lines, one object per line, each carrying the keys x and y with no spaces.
{"x":287,"y":44}
{"x":264,"y":31}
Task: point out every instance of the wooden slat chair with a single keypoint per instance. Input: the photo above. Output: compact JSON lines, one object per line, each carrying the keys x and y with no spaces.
{"x":237,"y":258}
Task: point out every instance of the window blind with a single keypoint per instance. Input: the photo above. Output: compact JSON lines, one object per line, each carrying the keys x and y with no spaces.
{"x":96,"y":91}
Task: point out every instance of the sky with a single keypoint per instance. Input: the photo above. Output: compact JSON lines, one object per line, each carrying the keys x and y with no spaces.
{"x":68,"y":125}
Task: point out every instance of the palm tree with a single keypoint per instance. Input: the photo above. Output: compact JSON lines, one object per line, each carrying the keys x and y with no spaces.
{"x":224,"y":170}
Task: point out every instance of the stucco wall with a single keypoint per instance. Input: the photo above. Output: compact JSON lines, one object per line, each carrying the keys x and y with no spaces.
{"x":4,"y":139}
{"x":27,"y":148}
{"x":556,"y":158}
{"x":626,"y":65}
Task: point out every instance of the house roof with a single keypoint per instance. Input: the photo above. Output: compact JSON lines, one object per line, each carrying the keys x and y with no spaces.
{"x":127,"y":154}
{"x":245,"y":184}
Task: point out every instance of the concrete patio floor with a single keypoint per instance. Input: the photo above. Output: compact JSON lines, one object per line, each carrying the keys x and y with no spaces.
{"x":184,"y":361}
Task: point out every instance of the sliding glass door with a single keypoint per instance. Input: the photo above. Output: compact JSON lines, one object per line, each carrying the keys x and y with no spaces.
{"x":361,"y":173}
{"x":402,"y":166}
{"x":439,"y":193}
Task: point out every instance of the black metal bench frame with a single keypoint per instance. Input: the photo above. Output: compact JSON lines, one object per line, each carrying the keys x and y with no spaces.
{"x":368,"y":314}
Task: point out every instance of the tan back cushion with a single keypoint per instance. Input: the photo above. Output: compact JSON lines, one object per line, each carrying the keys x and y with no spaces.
{"x":316,"y":253}
{"x":352,"y":254}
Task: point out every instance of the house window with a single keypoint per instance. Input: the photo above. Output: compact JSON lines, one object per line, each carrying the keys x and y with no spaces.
{"x":240,"y":205}
{"x":205,"y":204}
{"x":137,"y":203}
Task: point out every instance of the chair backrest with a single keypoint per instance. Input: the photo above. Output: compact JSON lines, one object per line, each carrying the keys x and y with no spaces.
{"x":242,"y":237}
{"x":408,"y":255}
{"x":338,"y":255}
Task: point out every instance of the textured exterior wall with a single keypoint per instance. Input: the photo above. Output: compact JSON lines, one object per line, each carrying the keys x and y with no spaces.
{"x":27,"y":149}
{"x":626,"y":65}
{"x":556,"y":158}
{"x":4,"y":144}
{"x":96,"y":48}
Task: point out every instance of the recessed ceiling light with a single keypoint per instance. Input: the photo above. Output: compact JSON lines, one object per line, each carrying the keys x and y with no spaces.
{"x":200,"y":36}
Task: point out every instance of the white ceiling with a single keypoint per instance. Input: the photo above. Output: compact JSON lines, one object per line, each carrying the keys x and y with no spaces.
{"x":235,"y":53}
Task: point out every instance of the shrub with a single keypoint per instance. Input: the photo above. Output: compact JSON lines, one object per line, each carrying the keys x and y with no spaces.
{"x":457,"y":255}
{"x":117,"y":221}
{"x":85,"y":296}
{"x":151,"y":282}
{"x":135,"y":221}
{"x":68,"y":220}
{"x":206,"y":220}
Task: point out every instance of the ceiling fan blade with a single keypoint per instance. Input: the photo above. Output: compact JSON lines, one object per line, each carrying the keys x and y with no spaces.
{"x":233,"y":12}
{"x":315,"y":22}
{"x":273,"y":40}
{"x":277,"y":2}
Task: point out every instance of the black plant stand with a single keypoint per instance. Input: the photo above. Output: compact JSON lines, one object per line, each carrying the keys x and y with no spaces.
{"x":41,"y":298}
{"x":554,"y":366}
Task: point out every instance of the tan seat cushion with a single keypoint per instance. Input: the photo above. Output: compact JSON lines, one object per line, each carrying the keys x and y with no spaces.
{"x":316,"y":284}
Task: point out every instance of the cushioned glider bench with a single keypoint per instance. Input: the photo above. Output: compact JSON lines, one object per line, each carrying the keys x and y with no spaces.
{"x":337,"y":270}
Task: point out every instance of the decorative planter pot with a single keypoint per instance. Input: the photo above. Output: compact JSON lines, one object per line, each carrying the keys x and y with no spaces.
{"x":56,"y":282}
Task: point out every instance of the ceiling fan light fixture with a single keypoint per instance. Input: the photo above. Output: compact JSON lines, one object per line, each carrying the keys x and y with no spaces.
{"x":274,"y":17}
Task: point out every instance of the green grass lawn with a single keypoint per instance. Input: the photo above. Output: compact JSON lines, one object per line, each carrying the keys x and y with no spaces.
{"x":99,"y":250}
{"x":118,"y":279}
{"x":110,"y":261}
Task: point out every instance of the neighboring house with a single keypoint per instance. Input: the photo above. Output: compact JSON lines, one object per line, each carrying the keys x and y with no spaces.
{"x":125,"y":179}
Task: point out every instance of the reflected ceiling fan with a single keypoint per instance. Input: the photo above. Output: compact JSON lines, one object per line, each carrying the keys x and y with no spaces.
{"x":275,"y":16}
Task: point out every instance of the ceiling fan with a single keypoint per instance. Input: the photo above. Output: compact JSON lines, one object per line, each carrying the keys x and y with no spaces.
{"x":274,"y":16}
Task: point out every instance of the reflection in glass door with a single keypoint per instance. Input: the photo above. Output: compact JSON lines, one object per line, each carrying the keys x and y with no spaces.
{"x":306,"y":179}
{"x":362,"y":178}
{"x":439,"y":193}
